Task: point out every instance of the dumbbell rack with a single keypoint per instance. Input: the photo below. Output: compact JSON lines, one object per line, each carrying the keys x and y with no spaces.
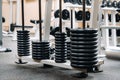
{"x":106,"y":26}
{"x":73,"y":7}
{"x":111,"y":50}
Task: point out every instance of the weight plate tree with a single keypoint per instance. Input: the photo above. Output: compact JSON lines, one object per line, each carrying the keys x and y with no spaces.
{"x":23,"y":39}
{"x":84,"y":46}
{"x":40,"y":49}
{"x":60,"y":41}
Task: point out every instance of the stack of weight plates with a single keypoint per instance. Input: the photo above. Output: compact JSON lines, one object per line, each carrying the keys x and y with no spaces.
{"x":40,"y":50}
{"x":23,"y":43}
{"x":60,"y":47}
{"x":68,"y":50}
{"x":84,"y":48}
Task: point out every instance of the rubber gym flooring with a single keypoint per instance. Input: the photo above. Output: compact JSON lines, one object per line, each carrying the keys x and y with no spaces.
{"x":11,"y":71}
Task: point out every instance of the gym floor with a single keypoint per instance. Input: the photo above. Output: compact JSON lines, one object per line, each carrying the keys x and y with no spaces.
{"x":11,"y":71}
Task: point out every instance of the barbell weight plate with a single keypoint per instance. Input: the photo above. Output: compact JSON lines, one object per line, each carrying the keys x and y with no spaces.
{"x":82,"y":66}
{"x":84,"y":43}
{"x":84,"y":46}
{"x":86,"y":31}
{"x":83,"y":39}
{"x":83,"y":35}
{"x":83,"y":58}
{"x":84,"y":50}
{"x":84,"y":54}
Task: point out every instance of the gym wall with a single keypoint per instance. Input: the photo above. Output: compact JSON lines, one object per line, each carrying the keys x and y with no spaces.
{"x":31,"y":11}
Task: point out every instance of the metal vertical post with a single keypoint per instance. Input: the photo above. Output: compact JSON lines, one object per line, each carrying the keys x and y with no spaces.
{"x":0,"y":22}
{"x":47,"y":20}
{"x":114,"y":35}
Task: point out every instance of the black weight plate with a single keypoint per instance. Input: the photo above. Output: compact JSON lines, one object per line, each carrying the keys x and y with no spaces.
{"x":84,"y":62}
{"x":24,"y":45}
{"x":58,"y":58}
{"x":88,"y":2}
{"x":82,"y":66}
{"x":83,"y":35}
{"x":60,"y":39}
{"x":60,"y":55}
{"x":65,"y":1}
{"x":79,"y":15}
{"x":65,"y":14}
{"x":74,"y":1}
{"x":79,"y":2}
{"x":84,"y":31}
{"x":84,"y":54}
{"x":41,"y":43}
{"x":84,"y":43}
{"x":84,"y":46}
{"x":56,"y":13}
{"x":109,"y":3}
{"x":114,"y":4}
{"x":38,"y":51}
{"x":60,"y":61}
{"x":83,"y":58}
{"x":23,"y":54}
{"x":83,"y":39}
{"x":20,"y":31}
{"x":118,"y":4}
{"x":88,"y":15}
{"x":60,"y":50}
{"x":60,"y":47}
{"x":59,"y":42}
{"x":40,"y":47}
{"x":84,"y":51}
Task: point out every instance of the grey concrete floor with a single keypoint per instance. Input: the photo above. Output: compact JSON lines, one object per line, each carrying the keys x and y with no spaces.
{"x":11,"y":71}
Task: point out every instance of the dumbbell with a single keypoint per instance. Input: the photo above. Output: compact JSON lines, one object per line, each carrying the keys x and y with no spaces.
{"x":56,"y":13}
{"x":65,"y":14}
{"x":109,"y":3}
{"x":104,"y":3}
{"x":118,"y":4}
{"x":65,"y":1}
{"x":117,"y":17}
{"x":88,"y":2}
{"x":79,"y":15}
{"x":115,"y":4}
{"x":79,"y":2}
{"x":87,"y":15}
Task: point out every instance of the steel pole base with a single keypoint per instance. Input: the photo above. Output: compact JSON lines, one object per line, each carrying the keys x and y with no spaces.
{"x":20,"y":62}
